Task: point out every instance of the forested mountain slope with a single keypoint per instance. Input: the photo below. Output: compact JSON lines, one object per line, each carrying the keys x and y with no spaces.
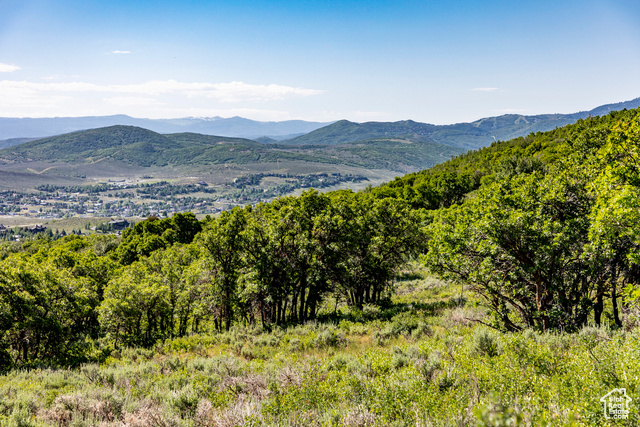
{"x":346,"y":131}
{"x":141,"y":147}
{"x":465,"y":136}
{"x":546,"y":227}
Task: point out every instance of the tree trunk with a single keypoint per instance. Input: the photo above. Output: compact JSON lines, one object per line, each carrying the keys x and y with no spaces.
{"x":301,"y":313}
{"x":614,"y":302}
{"x":598,"y":307}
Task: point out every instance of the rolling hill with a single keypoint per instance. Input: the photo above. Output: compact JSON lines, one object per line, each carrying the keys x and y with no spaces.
{"x":298,"y":132}
{"x":134,"y":146}
{"x":234,"y":126}
{"x":345,"y":131}
{"x":465,"y":136}
{"x":392,"y":148}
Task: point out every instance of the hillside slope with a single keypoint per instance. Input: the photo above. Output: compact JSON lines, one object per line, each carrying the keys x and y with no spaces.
{"x":130,"y":145}
{"x":121,"y":143}
{"x":466,"y":136}
{"x":345,"y":131}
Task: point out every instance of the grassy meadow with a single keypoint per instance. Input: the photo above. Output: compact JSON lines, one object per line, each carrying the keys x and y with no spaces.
{"x":426,"y":359}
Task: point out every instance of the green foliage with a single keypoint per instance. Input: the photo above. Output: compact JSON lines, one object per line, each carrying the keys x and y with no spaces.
{"x":364,"y":241}
{"x":249,"y":375}
{"x":46,"y":314}
{"x":546,"y":242}
{"x":148,"y":236}
{"x":497,"y":414}
{"x":223,"y":242}
{"x":486,"y":343}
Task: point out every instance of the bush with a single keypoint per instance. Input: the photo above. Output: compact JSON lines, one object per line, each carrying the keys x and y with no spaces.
{"x":329,"y":338}
{"x":497,"y":414}
{"x":185,"y":401}
{"x":383,"y":336}
{"x":486,"y":343}
{"x":429,"y":368}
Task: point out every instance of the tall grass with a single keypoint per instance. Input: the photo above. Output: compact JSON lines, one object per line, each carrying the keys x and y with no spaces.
{"x":411,"y":364}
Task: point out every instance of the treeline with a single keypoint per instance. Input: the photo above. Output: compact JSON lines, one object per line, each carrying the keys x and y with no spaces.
{"x":66,"y":301}
{"x":546,"y":228}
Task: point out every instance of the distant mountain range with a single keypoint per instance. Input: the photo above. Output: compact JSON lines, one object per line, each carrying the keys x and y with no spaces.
{"x":235,"y":126}
{"x":463,"y":136}
{"x":130,"y":146}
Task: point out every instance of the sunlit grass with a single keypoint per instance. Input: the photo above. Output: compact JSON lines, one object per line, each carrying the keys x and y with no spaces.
{"x":407,"y":365}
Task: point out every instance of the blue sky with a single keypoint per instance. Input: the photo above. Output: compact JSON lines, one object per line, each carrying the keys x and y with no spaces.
{"x":430,"y":61}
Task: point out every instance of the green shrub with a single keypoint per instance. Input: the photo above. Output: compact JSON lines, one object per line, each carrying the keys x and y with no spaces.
{"x":329,"y":338}
{"x":429,"y":367}
{"x":398,"y":361}
{"x":497,"y":414}
{"x":383,"y":336}
{"x":486,"y":343}
{"x":421,"y":330}
{"x":185,"y":401}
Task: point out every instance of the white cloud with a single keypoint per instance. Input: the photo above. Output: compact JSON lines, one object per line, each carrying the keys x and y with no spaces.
{"x":120,"y":52}
{"x":224,"y":92}
{"x":238,"y":91}
{"x":131,"y":101}
{"x":485,"y":89}
{"x":152,"y":99}
{"x":7,"y":68}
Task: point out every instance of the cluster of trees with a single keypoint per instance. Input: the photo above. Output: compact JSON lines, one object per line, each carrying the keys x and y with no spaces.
{"x":552,"y":245}
{"x":164,"y":189}
{"x":49,"y":295}
{"x":159,"y":189}
{"x":274,"y":263}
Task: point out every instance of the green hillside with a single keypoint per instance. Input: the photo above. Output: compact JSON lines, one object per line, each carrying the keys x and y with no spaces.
{"x":345,"y":131}
{"x":500,"y":159}
{"x":125,"y":143}
{"x":135,"y":146}
{"x":464,"y":136}
{"x":14,"y":141}
{"x":545,"y":227}
{"x":399,"y":154}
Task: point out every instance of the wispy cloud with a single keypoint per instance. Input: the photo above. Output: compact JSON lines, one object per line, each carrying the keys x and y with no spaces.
{"x":223,"y":92}
{"x":120,"y":52}
{"x":7,"y":68}
{"x":485,"y":89}
{"x":132,"y":101}
{"x":155,"y":98}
